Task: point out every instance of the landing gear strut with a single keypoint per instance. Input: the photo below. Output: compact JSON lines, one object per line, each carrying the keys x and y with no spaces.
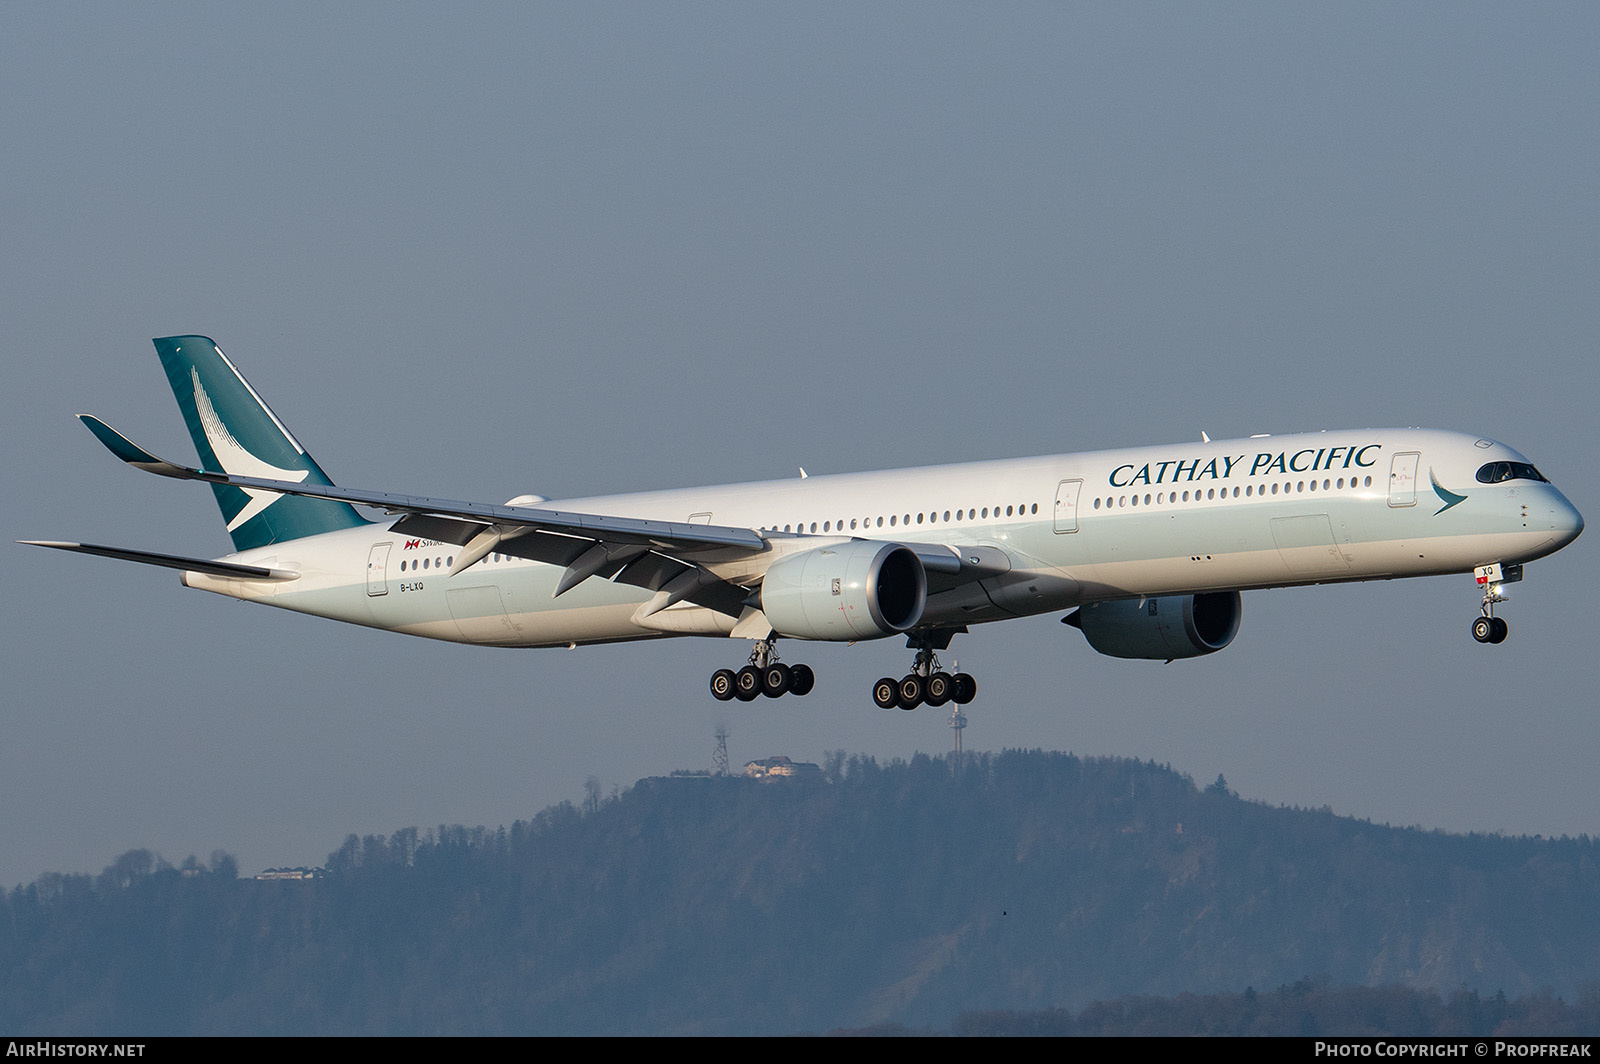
{"x":765,"y":675}
{"x":926,"y":682}
{"x":1492,"y":578}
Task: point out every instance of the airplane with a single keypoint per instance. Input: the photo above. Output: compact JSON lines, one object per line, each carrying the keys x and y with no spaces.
{"x":1149,"y":548}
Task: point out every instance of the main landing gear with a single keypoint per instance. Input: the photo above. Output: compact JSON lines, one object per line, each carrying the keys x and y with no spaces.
{"x":765,"y":675}
{"x":926,"y":682}
{"x":1492,"y":578}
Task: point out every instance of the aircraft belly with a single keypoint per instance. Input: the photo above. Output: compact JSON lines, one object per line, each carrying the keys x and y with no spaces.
{"x":1269,"y":567}
{"x":480,"y":614}
{"x":1025,"y":592}
{"x":575,"y":625}
{"x":493,"y":614}
{"x":523,"y":611}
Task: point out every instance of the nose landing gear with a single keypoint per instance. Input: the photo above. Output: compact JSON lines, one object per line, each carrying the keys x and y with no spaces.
{"x":1492,"y":578}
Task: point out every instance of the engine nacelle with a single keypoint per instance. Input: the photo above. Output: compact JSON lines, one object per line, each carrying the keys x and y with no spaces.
{"x":855,"y":590}
{"x":1161,"y":629}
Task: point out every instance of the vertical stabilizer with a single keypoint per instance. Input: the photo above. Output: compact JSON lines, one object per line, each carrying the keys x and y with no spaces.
{"x":235,"y":432}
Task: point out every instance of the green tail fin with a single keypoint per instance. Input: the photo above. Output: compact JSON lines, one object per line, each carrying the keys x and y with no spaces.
{"x":235,"y":432}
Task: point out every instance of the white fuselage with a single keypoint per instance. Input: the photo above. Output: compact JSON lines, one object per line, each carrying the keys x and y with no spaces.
{"x":1052,"y":532}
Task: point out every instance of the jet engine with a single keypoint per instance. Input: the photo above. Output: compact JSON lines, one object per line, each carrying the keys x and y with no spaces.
{"x":854,"y":590}
{"x":1161,"y":629}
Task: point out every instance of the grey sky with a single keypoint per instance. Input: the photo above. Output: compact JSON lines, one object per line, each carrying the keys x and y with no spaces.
{"x":480,"y":250}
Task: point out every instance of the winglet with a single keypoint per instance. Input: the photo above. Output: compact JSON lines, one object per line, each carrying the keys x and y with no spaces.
{"x":130,"y":452}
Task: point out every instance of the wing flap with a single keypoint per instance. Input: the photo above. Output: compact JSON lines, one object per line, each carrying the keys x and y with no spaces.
{"x":443,"y":529}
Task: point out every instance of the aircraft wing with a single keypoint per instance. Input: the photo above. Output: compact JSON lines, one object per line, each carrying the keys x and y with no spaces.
{"x":710,"y":565}
{"x":662,"y":556}
{"x":591,"y":526}
{"x":231,"y":570}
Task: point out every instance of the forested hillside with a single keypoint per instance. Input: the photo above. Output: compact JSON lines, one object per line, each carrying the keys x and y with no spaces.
{"x":908,"y":893}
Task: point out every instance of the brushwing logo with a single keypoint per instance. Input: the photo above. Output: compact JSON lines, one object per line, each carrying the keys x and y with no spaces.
{"x":236,"y":461}
{"x":1446,"y":496}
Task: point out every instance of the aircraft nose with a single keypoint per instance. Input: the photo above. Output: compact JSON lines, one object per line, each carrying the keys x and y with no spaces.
{"x":1565,"y":521}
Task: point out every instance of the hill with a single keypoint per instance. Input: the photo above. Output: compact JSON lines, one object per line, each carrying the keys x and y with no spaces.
{"x":907,"y":893}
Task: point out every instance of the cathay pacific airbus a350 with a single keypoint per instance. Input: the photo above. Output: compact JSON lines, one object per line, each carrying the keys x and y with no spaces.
{"x":1149,"y":547}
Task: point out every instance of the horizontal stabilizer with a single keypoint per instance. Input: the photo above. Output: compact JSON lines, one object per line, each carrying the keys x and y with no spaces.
{"x":227,"y":570}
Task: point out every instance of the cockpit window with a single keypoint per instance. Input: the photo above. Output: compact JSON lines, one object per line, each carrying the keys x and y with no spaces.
{"x":1495,"y":472}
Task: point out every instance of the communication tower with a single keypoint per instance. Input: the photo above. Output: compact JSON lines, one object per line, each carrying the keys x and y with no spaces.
{"x":719,"y":760}
{"x":958,"y":719}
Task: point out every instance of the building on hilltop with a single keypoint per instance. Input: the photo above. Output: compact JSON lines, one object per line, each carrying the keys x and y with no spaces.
{"x":772,"y":768}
